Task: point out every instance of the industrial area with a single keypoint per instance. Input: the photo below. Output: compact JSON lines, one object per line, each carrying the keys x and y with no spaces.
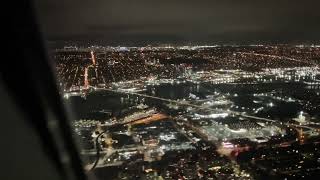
{"x":194,"y":112}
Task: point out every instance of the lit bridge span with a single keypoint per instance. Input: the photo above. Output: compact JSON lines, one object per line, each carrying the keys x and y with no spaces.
{"x":99,"y":161}
{"x":207,"y":108}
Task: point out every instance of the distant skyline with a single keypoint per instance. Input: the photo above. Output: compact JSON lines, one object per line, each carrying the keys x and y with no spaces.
{"x":128,"y":22}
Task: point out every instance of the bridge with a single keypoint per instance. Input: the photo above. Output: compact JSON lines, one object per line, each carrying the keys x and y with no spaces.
{"x":109,"y":151}
{"x":206,"y":108}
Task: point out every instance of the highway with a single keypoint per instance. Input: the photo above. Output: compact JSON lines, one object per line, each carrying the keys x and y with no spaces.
{"x":206,"y":108}
{"x":278,"y":57}
{"x":108,"y":152}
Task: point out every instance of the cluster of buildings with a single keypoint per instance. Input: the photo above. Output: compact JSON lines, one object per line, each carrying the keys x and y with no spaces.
{"x":236,"y":111}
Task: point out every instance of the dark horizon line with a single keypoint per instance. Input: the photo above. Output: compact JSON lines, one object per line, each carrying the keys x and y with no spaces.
{"x":159,"y":43}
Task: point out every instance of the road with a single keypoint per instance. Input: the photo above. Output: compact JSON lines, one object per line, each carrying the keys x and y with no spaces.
{"x":206,"y":108}
{"x":107,"y":152}
{"x":278,"y":57}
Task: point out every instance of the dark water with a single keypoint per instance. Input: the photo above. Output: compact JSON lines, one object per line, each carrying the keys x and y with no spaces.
{"x":96,"y":102}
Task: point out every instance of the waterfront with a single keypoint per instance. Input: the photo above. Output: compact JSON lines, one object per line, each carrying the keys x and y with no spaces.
{"x":187,"y":126}
{"x":151,"y":114}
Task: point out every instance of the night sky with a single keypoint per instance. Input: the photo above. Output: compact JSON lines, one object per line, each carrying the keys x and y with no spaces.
{"x":181,"y":21}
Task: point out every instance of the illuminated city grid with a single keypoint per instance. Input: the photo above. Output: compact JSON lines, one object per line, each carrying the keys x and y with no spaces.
{"x":195,"y":112}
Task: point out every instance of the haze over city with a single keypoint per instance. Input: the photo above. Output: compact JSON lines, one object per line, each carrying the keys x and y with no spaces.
{"x":188,"y":89}
{"x":124,"y":22}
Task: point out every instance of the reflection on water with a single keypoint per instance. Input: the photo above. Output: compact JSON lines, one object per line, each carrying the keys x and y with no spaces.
{"x":280,"y":100}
